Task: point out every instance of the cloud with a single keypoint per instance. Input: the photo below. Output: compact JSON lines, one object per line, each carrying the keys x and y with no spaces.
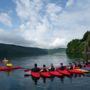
{"x":53,"y":8}
{"x":58,"y":42}
{"x":46,"y":24}
{"x":5,"y":19}
{"x":50,"y":25}
{"x":70,"y":3}
{"x":12,"y":37}
{"x":28,"y":9}
{"x":36,"y":27}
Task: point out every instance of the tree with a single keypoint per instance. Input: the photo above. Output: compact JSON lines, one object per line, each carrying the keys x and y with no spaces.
{"x":78,"y":47}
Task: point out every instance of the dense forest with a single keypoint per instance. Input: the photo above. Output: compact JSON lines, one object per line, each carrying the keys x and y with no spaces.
{"x":7,"y":50}
{"x":79,"y":47}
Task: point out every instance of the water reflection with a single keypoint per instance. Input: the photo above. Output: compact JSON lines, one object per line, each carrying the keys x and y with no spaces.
{"x":35,"y":80}
{"x":62,"y":80}
{"x":8,"y":73}
{"x":16,"y":80}
{"x":52,"y":78}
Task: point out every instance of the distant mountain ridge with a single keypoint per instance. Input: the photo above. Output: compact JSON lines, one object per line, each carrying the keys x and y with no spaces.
{"x":9,"y":50}
{"x":56,"y":50}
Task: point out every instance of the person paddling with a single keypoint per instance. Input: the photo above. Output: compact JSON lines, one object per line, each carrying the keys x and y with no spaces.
{"x":9,"y":64}
{"x":70,"y":66}
{"x":80,"y":65}
{"x":35,"y":69}
{"x":75,"y":65}
{"x":61,"y":66}
{"x":44,"y":69}
{"x":5,"y":61}
{"x":86,"y":63}
{"x":52,"y":68}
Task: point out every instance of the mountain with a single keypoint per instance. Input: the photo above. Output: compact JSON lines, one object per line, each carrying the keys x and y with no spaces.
{"x":79,"y":47}
{"x":7,"y":50}
{"x":56,"y":50}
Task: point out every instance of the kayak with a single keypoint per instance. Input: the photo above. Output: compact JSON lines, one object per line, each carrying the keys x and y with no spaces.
{"x":75,"y":71}
{"x":35,"y":74}
{"x":77,"y":67}
{"x":88,"y":66}
{"x":82,"y":70}
{"x":9,"y":68}
{"x":45,"y":74}
{"x":85,"y":68}
{"x":58,"y":68}
{"x":64,"y":72}
{"x":27,"y":70}
{"x":26,"y":75}
{"x":55,"y":73}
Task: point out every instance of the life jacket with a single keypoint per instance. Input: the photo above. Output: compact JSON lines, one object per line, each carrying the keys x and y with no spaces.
{"x":62,"y":68}
{"x":80,"y":65}
{"x":36,"y":69}
{"x":44,"y":70}
{"x":71,"y":67}
{"x":52,"y":68}
{"x":9,"y":65}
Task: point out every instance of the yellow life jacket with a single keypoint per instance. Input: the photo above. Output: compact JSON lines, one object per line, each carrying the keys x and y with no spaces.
{"x":9,"y":65}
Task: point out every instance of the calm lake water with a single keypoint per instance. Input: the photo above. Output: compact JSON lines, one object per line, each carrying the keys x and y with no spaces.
{"x":16,"y":80}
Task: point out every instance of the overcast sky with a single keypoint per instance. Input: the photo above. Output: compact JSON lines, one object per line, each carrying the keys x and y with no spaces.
{"x":43,"y":23}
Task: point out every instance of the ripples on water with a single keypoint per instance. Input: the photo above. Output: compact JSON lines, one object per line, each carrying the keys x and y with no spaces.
{"x":15,"y":80}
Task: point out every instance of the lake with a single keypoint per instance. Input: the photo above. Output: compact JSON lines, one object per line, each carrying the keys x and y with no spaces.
{"x":16,"y":80}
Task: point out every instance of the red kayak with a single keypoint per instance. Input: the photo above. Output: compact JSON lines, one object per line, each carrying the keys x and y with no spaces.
{"x":55,"y":73}
{"x":74,"y":71}
{"x":87,"y":66}
{"x":9,"y":69}
{"x":58,"y":68}
{"x":64,"y":72}
{"x":27,"y":70}
{"x":45,"y":74}
{"x":35,"y":74}
{"x":77,"y":67}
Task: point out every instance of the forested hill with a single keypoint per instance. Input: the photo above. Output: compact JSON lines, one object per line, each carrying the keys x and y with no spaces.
{"x":78,"y":47}
{"x":7,"y":50}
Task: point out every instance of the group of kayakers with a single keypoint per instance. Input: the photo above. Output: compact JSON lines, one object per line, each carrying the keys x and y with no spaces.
{"x":43,"y":69}
{"x":73,"y":65}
